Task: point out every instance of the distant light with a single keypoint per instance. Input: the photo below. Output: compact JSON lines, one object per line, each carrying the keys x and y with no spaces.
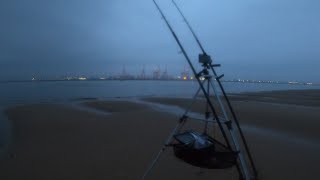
{"x":293,"y":82}
{"x":179,"y":77}
{"x":184,"y":78}
{"x":191,"y":77}
{"x":82,"y":78}
{"x":202,"y":78}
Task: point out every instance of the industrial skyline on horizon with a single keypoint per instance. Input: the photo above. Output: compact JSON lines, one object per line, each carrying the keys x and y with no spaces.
{"x":150,"y":72}
{"x":154,"y":73}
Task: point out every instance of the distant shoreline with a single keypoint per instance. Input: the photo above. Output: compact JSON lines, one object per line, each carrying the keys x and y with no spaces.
{"x":224,"y":81}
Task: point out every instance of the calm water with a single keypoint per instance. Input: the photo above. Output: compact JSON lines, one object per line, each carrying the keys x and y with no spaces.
{"x":30,"y":92}
{"x":12,"y":94}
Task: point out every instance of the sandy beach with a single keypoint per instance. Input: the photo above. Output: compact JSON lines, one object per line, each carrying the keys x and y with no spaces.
{"x":54,"y":141}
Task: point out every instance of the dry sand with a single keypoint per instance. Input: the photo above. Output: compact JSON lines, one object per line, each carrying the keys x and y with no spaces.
{"x":60,"y":142}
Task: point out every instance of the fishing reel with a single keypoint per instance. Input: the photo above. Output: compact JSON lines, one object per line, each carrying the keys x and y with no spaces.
{"x":205,"y":59}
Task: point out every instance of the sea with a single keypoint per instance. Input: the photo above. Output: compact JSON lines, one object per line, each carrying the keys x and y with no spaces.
{"x":21,"y":93}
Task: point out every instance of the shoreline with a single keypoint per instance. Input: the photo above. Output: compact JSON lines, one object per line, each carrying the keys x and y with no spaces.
{"x":310,"y":84}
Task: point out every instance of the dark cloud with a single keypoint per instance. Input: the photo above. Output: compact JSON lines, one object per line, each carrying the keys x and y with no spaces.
{"x":250,"y":38}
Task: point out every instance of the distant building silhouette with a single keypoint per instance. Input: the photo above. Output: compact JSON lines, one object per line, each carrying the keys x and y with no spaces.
{"x":124,"y":75}
{"x":157,"y":73}
{"x":143,"y":74}
{"x":165,"y":74}
{"x":185,"y":74}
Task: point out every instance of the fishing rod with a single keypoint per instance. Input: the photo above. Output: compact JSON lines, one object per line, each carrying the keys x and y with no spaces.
{"x":223,"y":91}
{"x":195,"y":73}
{"x":190,"y":27}
{"x":207,"y":59}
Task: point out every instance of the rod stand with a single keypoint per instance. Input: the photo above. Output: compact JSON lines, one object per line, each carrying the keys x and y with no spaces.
{"x":231,"y":140}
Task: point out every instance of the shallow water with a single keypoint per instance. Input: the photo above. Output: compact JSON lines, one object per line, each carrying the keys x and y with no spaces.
{"x":35,"y":92}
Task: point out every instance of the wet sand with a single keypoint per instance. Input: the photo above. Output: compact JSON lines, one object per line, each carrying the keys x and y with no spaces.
{"x":282,"y":128}
{"x":60,"y":142}
{"x":280,"y":115}
{"x":294,"y":97}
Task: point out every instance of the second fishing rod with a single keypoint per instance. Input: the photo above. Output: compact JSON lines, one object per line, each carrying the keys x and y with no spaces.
{"x":207,"y":61}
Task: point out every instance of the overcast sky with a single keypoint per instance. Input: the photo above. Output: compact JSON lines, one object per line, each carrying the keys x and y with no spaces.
{"x":252,"y":39}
